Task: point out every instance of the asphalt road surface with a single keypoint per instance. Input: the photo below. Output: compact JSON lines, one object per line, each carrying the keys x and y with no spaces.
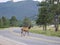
{"x":32,"y":39}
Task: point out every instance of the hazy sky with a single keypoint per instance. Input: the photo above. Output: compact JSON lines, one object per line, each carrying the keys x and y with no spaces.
{"x":15,"y":0}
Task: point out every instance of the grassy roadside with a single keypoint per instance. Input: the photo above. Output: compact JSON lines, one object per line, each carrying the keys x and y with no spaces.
{"x":3,"y":28}
{"x":47,"y":32}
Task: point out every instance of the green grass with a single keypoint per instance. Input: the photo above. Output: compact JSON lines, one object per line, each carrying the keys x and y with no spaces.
{"x":2,"y":28}
{"x":47,"y":32}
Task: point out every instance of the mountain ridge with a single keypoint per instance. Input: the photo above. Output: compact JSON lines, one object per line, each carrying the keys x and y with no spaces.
{"x":19,"y":9}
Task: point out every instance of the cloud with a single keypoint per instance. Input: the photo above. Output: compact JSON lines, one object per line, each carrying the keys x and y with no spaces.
{"x":17,"y":0}
{"x":10,"y":0}
{"x":37,"y":0}
{"x":3,"y":0}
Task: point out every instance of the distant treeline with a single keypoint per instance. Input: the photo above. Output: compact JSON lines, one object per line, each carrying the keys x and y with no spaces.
{"x":14,"y":22}
{"x":5,"y":22}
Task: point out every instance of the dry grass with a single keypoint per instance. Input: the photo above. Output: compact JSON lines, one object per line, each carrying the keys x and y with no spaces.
{"x":50,"y":31}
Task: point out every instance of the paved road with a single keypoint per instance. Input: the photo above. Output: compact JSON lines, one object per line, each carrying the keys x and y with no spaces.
{"x":33,"y":39}
{"x":7,"y":41}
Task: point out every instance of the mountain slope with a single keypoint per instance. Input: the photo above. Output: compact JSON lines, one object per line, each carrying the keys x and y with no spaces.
{"x":18,"y":9}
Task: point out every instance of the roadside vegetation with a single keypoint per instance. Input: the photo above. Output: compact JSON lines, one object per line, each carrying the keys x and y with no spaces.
{"x":5,"y":22}
{"x":49,"y":32}
{"x":48,"y":14}
{"x":14,"y":22}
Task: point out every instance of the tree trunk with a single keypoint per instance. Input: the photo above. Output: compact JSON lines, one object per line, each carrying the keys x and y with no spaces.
{"x":56,"y":24}
{"x":56,"y":28}
{"x":44,"y":27}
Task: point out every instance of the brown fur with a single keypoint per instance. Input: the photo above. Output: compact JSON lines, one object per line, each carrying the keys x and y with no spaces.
{"x":25,"y":30}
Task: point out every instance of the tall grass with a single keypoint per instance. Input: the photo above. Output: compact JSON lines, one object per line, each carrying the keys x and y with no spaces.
{"x":49,"y":32}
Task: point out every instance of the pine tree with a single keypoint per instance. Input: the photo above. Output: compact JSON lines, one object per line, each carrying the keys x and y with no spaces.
{"x":5,"y":22}
{"x":27,"y":22}
{"x":1,"y":23}
{"x":44,"y":17}
{"x":13,"y":21}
